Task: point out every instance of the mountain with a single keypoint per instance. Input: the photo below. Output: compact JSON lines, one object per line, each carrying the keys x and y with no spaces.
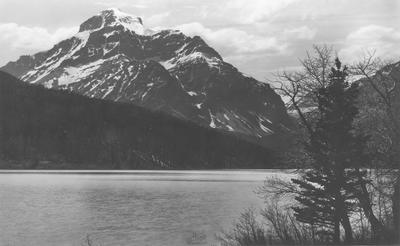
{"x":54,"y":129}
{"x":115,"y":57}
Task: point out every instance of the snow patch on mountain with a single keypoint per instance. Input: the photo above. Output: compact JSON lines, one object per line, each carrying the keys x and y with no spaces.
{"x":49,"y":65}
{"x":212,"y":120}
{"x":192,"y":93}
{"x":110,"y":47}
{"x":109,"y":90}
{"x":106,"y":35}
{"x":75,"y":74}
{"x":129,"y":22}
{"x":190,"y":58}
{"x":264,"y":128}
{"x":262,"y":122}
{"x":168,"y":64}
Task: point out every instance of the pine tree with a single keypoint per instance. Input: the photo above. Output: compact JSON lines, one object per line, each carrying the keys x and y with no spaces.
{"x":327,"y":191}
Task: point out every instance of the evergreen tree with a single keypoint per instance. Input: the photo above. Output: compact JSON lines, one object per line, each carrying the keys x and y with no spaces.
{"x":327,"y":191}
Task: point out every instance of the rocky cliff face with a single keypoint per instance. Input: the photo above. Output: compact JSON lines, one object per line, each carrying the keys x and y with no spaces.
{"x":115,"y":57}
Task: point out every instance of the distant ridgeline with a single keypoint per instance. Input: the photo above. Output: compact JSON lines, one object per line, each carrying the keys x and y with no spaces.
{"x":42,"y":128}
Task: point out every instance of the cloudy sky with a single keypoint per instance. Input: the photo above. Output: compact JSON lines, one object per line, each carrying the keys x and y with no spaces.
{"x":257,"y":36}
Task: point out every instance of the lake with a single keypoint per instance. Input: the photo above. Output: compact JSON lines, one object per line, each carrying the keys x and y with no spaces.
{"x":124,"y":207}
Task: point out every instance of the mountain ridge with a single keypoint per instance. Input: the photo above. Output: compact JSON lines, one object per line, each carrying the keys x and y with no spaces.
{"x":114,"y":57}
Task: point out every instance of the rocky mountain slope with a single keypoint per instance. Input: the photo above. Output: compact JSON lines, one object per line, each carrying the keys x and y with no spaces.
{"x":115,"y":57}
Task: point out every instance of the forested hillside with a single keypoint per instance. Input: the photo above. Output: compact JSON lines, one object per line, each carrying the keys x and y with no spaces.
{"x":41,"y":128}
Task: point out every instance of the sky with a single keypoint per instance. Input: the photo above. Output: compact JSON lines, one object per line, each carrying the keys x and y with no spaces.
{"x":257,"y":36}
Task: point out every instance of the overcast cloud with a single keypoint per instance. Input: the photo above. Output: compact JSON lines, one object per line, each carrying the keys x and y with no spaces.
{"x":257,"y":36}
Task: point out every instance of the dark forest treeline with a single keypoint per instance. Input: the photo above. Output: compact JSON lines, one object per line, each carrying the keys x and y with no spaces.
{"x":43,"y":128}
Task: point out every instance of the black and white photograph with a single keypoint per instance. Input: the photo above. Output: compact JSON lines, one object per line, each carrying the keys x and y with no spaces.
{"x":199,"y":122}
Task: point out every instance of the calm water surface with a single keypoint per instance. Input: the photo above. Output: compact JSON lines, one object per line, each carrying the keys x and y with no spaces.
{"x":123,"y":208}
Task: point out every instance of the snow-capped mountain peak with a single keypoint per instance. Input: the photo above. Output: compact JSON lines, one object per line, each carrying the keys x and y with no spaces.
{"x":115,"y":17}
{"x":115,"y":57}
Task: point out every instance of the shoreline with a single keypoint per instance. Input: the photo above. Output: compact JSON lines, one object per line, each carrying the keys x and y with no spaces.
{"x":139,"y":171}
